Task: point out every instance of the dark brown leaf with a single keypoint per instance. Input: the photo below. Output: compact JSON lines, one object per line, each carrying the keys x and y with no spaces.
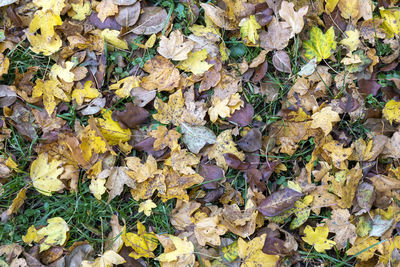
{"x":210,"y":173}
{"x":234,"y":162}
{"x":147,"y":146}
{"x":254,"y":177}
{"x":368,"y":87}
{"x":109,"y":23}
{"x":275,"y":246}
{"x":251,"y":141}
{"x":279,"y":201}
{"x":335,"y":20}
{"x":131,"y":117}
{"x":243,"y":116}
{"x":350,"y":105}
{"x":264,"y":14}
{"x":260,"y":72}
{"x":7,"y":95}
{"x":51,"y":255}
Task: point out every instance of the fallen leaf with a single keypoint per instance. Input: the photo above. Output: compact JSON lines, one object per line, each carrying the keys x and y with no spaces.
{"x":281,"y":61}
{"x":142,"y":243}
{"x":324,"y":119}
{"x":390,"y":23}
{"x":252,"y":254}
{"x":278,"y":202}
{"x":196,"y":137}
{"x":117,"y":178}
{"x":320,"y":46}
{"x":109,"y":258}
{"x":112,"y":37}
{"x":51,"y":92}
{"x":124,"y":86}
{"x":44,"y":175}
{"x":128,"y":15}
{"x":224,"y":144}
{"x":368,"y":246}
{"x":180,"y":252}
{"x":248,"y":29}
{"x":277,"y":37}
{"x":175,"y":47}
{"x":352,"y":41}
{"x":251,"y":142}
{"x":111,"y":130}
{"x":195,"y":62}
{"x":105,"y":9}
{"x":146,"y":207}
{"x":293,"y":18}
{"x":339,"y":224}
{"x":131,"y":117}
{"x":318,"y":238}
{"x":391,"y":111}
{"x":152,"y":20}
{"x":163,"y":75}
{"x":170,"y":112}
{"x":17,"y":202}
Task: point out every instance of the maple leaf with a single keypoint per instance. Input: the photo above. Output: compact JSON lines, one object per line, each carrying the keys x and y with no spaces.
{"x":163,"y":75}
{"x":391,"y":111}
{"x":252,"y":254}
{"x":106,"y":8}
{"x":141,"y":172}
{"x":65,"y":74}
{"x":55,"y":233}
{"x":97,"y":187}
{"x":391,"y":24}
{"x":91,"y":142}
{"x":208,"y":230}
{"x":44,"y":174}
{"x":318,"y":238}
{"x":195,"y":62}
{"x":171,"y":112}
{"x":248,"y":28}
{"x":50,"y":91}
{"x":196,"y":137}
{"x":349,"y":8}
{"x":108,"y":259}
{"x":175,"y":47}
{"x":324,"y":119}
{"x":182,"y":161}
{"x":142,"y":243}
{"x":224,"y":144}
{"x":112,"y":37}
{"x":146,"y":207}
{"x":86,"y":93}
{"x":293,"y":18}
{"x":277,"y":37}
{"x":361,"y":244}
{"x":124,"y":87}
{"x":352,"y":41}
{"x":82,"y":10}
{"x":55,"y":6}
{"x":176,"y":250}
{"x":165,"y":138}
{"x":117,"y":178}
{"x":340,"y":225}
{"x":111,"y":130}
{"x":47,"y":42}
{"x":320,"y":45}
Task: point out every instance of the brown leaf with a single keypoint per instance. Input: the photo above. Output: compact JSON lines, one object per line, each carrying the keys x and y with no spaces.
{"x":281,"y":61}
{"x":251,"y":142}
{"x":142,"y":96}
{"x":234,"y":162}
{"x":260,"y":72}
{"x":152,"y":20}
{"x":264,"y":14}
{"x":365,"y":196}
{"x":218,"y":16}
{"x":163,"y":75}
{"x":128,"y":15}
{"x":341,"y":226}
{"x":131,"y":117}
{"x":368,"y":87}
{"x":243,"y":116}
{"x":7,"y":95}
{"x":278,"y":202}
{"x":254,"y":178}
{"x":277,"y":37}
{"x":51,"y":255}
{"x":210,"y":173}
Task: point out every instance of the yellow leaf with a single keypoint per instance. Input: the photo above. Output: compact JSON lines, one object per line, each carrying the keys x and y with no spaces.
{"x":352,"y":41}
{"x":224,"y":51}
{"x":165,"y":138}
{"x":124,"y":87}
{"x":55,"y":233}
{"x":142,"y":243}
{"x":324,"y":119}
{"x":17,"y":202}
{"x":47,"y":42}
{"x":183,"y":249}
{"x":44,"y":175}
{"x":4,"y":64}
{"x":219,"y":109}
{"x":182,"y":161}
{"x":248,"y":28}
{"x":391,"y":21}
{"x":55,"y":6}
{"x":111,"y":36}
{"x":97,"y":187}
{"x":87,"y":92}
{"x":349,"y":8}
{"x":318,"y":238}
{"x":163,"y":75}
{"x":11,"y":163}
{"x":105,"y":9}
{"x":330,"y":5}
{"x":252,"y":255}
{"x":195,"y":63}
{"x":391,"y":111}
{"x":360,"y":245}
{"x":82,"y":10}
{"x":65,"y":74}
{"x":91,"y":143}
{"x":171,"y":112}
{"x":224,"y":144}
{"x":111,"y":129}
{"x":141,"y":172}
{"x":108,"y":259}
{"x":51,"y":92}
{"x":320,"y":46}
{"x":210,"y":31}
{"x":146,"y":207}
{"x":175,"y":47}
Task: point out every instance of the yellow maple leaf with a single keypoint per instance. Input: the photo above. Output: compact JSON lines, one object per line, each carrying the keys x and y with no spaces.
{"x":324,"y":119}
{"x":252,"y":254}
{"x":219,"y":108}
{"x":65,"y":74}
{"x":163,"y":75}
{"x":391,"y":111}
{"x":55,"y":233}
{"x":146,"y":207}
{"x":170,"y":112}
{"x":124,"y":87}
{"x":183,"y":249}
{"x":165,"y":138}
{"x":363,"y":243}
{"x":91,"y":142}
{"x":195,"y":63}
{"x":47,"y":42}
{"x":175,"y":47}
{"x":105,"y":9}
{"x":182,"y":161}
{"x":44,"y":174}
{"x":141,"y":172}
{"x":248,"y":29}
{"x":97,"y":187}
{"x":391,"y":21}
{"x":87,"y":92}
{"x":352,"y":41}
{"x":51,"y":92}
{"x":55,"y":6}
{"x":318,"y":238}
{"x":224,"y":144}
{"x":142,"y":243}
{"x":210,"y":31}
{"x":111,"y":36}
{"x":111,"y":129}
{"x":349,"y":8}
{"x":320,"y":46}
{"x":108,"y":259}
{"x":82,"y":10}
{"x":330,"y":5}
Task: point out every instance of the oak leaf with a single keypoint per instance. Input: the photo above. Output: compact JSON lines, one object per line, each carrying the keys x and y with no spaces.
{"x":44,"y":175}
